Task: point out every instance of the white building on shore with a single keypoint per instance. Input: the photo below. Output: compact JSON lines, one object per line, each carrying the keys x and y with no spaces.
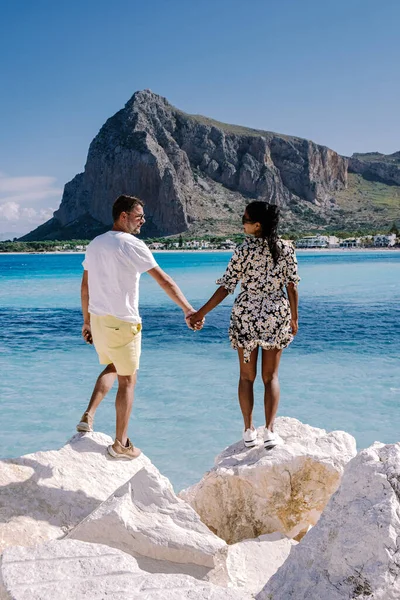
{"x":228,"y":244}
{"x":351,"y":243}
{"x":385,"y":241}
{"x":318,"y":241}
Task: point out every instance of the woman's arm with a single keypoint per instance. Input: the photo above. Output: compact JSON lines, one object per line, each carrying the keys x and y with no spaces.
{"x":220,"y":294}
{"x":293,"y":297}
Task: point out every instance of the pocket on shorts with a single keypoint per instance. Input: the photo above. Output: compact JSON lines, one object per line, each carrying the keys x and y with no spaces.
{"x":118,"y":335}
{"x":136,"y":328}
{"x":121,"y":334}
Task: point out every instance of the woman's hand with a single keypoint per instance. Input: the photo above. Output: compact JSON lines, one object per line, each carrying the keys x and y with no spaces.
{"x":195,"y":321}
{"x":191,"y":322}
{"x":294,"y":326}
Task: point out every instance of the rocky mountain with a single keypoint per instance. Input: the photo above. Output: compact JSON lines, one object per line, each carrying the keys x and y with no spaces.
{"x":196,"y":175}
{"x":374,"y":166}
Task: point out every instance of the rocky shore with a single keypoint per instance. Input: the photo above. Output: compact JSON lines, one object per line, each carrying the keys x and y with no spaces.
{"x":310,"y":520}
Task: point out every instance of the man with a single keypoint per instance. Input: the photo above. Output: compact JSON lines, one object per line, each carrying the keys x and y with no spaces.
{"x":113,"y":264}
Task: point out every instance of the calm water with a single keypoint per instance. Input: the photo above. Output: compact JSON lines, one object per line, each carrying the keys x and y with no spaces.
{"x":342,"y":371}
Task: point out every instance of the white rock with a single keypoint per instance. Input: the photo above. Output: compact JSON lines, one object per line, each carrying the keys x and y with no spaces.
{"x":354,"y":550}
{"x":251,"y":563}
{"x":145,"y":517}
{"x":44,"y":495}
{"x":251,"y":492}
{"x":74,"y":570}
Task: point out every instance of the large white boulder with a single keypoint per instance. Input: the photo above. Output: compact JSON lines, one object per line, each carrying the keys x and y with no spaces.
{"x":74,"y":570}
{"x":354,"y":550}
{"x":43,"y":495}
{"x":251,"y":492}
{"x":251,"y":563}
{"x":145,"y":517}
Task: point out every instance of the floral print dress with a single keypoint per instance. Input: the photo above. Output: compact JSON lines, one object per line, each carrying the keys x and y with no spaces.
{"x":261,"y":312}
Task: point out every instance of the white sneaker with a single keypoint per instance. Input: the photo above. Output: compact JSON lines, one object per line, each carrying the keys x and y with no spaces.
{"x":250,"y":438}
{"x":272,"y":439}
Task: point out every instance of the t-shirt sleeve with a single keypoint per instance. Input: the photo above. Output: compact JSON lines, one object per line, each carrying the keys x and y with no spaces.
{"x":141,"y":257}
{"x":292,"y":275}
{"x":85,"y":263}
{"x":233,"y":272}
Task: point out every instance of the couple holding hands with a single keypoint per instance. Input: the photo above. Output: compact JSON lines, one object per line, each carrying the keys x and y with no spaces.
{"x":264,"y":314}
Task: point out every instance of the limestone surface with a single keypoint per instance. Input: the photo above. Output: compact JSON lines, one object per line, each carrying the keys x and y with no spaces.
{"x":74,"y":570}
{"x":353,"y":553}
{"x":251,"y":563}
{"x":251,"y":492}
{"x":45,"y":494}
{"x":144,"y":517}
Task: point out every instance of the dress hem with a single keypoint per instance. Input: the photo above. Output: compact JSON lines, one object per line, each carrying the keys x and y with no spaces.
{"x":248,"y":349}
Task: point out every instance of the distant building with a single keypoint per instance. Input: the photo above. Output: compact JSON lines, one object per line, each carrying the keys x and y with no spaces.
{"x":333,"y":241}
{"x":156,"y":246}
{"x":384,"y":241}
{"x":350,"y":243}
{"x":318,"y":241}
{"x":228,"y":245}
{"x":192,"y":244}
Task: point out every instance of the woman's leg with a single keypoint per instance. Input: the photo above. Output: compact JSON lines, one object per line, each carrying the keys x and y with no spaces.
{"x":248,"y":372}
{"x":270,"y":367}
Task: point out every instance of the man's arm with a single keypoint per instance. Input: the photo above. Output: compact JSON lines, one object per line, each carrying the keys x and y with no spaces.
{"x":293,"y":297}
{"x":172,"y":290}
{"x":86,"y":331}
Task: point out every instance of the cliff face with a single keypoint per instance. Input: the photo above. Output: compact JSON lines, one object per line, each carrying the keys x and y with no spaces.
{"x":384,"y":168}
{"x":192,"y":172}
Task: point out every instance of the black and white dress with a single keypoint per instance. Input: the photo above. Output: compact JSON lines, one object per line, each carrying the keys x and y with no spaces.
{"x":261,"y":312}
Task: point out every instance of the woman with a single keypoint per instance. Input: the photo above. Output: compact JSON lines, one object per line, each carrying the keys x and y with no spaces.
{"x":262,"y":315}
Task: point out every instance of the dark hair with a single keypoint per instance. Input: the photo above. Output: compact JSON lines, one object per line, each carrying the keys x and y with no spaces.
{"x":268,"y":217}
{"x":124,"y":204}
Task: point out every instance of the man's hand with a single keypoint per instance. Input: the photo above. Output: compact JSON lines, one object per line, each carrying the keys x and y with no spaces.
{"x":294,"y":326}
{"x":194,"y":324}
{"x":87,"y":333}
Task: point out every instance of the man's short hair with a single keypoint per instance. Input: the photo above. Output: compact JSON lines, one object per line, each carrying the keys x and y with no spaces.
{"x":124,"y":204}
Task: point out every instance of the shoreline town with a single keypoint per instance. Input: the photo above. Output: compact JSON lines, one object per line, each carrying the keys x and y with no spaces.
{"x":312,"y":242}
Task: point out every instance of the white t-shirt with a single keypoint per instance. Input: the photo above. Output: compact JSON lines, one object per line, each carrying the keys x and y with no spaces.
{"x":115,"y":261}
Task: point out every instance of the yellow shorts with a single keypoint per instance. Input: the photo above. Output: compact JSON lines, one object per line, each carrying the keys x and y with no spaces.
{"x":117,"y":342}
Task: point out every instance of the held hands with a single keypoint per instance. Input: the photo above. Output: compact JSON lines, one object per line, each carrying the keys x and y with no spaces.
{"x":192,"y":321}
{"x":87,"y":333}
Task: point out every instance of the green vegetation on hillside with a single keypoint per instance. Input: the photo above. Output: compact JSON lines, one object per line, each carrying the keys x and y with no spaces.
{"x":367,"y":205}
{"x":378,"y":157}
{"x":235,"y":129}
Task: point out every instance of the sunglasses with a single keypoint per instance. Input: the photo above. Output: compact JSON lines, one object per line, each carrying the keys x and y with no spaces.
{"x":139,"y":217}
{"x":245,"y":220}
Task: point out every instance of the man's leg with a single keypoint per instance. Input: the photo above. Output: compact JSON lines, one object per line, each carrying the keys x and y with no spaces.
{"x":104,"y":383}
{"x":123,"y":405}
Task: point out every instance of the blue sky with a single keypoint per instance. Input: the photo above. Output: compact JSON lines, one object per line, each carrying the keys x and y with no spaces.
{"x":323,"y":70}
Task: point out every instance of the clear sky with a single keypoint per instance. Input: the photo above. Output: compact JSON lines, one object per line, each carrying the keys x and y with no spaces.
{"x":326,"y":70}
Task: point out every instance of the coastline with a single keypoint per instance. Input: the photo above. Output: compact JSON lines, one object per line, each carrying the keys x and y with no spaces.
{"x":222,"y":250}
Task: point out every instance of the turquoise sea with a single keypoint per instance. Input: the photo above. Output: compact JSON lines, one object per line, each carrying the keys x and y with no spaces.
{"x":341,"y":372}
